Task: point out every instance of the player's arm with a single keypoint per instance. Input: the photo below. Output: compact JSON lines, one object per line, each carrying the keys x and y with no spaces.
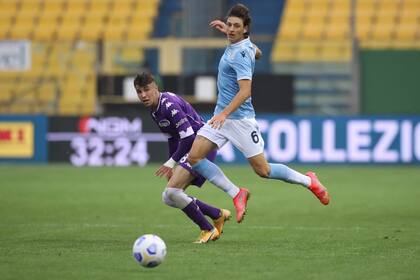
{"x":186,"y":138}
{"x":258,"y":52}
{"x":183,"y":146}
{"x":219,"y":25}
{"x":243,"y":94}
{"x":222,"y":27}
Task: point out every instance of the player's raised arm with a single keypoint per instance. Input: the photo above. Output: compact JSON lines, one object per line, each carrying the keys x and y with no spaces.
{"x":222,"y":27}
{"x":219,"y":25}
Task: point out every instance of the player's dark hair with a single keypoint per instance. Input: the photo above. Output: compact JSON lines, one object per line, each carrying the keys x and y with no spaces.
{"x":241,"y":11}
{"x":143,"y":79}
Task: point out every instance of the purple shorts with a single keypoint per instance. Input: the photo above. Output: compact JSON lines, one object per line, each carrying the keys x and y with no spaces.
{"x":199,"y":180}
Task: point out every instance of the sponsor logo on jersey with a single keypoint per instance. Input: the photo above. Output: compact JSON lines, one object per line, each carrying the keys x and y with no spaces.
{"x":164,"y":123}
{"x":178,"y":124}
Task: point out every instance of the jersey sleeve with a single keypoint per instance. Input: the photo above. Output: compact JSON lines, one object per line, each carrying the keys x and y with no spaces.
{"x":178,"y":119}
{"x":242,"y":64}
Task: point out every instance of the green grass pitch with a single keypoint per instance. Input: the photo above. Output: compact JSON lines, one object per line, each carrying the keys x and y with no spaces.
{"x":62,"y":222}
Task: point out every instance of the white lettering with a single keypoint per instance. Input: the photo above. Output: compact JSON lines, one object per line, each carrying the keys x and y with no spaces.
{"x":381,"y":151}
{"x":357,"y":138}
{"x":113,"y":126}
{"x":331,"y":154}
{"x":306,"y":152}
{"x":417,"y":141}
{"x":406,"y":141}
{"x":288,"y":129}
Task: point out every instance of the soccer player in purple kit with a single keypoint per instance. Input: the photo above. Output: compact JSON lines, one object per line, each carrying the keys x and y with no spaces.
{"x":234,"y":118}
{"x":178,"y":119}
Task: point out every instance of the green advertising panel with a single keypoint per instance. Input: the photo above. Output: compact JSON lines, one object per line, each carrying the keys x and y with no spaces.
{"x":390,"y":82}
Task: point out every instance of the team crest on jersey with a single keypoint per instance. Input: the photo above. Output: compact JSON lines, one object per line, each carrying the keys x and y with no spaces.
{"x":164,"y":123}
{"x":243,"y":53}
{"x":169,"y":104}
{"x":174,"y":112}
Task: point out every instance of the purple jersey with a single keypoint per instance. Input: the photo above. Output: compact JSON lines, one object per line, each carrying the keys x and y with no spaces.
{"x":176,"y":117}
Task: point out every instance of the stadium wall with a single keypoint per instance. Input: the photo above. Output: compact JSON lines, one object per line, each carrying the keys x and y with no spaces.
{"x":22,"y":139}
{"x":390,"y":82}
{"x":135,"y":140}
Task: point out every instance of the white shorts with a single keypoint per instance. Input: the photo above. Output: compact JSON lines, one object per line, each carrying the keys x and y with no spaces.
{"x":244,"y":134}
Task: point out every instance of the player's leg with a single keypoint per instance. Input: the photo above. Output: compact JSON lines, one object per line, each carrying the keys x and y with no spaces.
{"x":245,"y":135}
{"x":277,"y":171}
{"x":175,"y":196}
{"x":207,"y":140}
{"x":282,"y":172}
{"x":201,"y":147}
{"x":218,"y":215}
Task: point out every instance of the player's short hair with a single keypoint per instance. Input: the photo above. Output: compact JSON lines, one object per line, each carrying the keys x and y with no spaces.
{"x":241,"y":11}
{"x":143,"y":79}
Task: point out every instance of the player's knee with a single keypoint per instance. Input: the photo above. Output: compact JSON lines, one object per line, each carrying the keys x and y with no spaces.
{"x":262,"y":171}
{"x":192,"y":160}
{"x":166,"y":198}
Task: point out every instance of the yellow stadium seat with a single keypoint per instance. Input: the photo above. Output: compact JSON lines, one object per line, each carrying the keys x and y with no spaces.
{"x":53,"y":7}
{"x":76,"y":6}
{"x":407,"y":32}
{"x":313,"y":31}
{"x":6,"y":92}
{"x":308,"y":52}
{"x":290,"y":32}
{"x":8,"y":7}
{"x":30,"y":6}
{"x":21,"y":32}
{"x":338,"y":32}
{"x":285,"y":53}
{"x":123,"y":8}
{"x":101,"y":6}
{"x":93,"y":27}
{"x":46,"y":28}
{"x":114,"y":33}
{"x":335,"y":52}
{"x":47,"y":92}
{"x":68,"y":32}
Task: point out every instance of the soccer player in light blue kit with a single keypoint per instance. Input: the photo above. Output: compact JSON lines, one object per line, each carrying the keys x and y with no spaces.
{"x":234,"y":119}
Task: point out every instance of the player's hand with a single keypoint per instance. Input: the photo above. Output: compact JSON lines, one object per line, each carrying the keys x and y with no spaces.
{"x":164,"y":171}
{"x":219,"y":25}
{"x":217,"y":121}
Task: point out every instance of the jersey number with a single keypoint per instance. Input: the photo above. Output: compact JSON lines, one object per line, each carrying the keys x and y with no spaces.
{"x":255,"y":137}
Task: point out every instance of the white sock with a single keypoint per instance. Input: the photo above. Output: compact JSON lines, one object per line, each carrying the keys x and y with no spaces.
{"x":178,"y":197}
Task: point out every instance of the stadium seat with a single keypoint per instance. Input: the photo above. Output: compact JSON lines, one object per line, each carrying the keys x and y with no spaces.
{"x":64,"y":36}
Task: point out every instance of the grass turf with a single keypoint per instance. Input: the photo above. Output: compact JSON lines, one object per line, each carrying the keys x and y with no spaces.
{"x":61,"y":222}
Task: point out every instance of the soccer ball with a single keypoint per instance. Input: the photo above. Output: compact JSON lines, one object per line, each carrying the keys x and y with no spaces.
{"x":149,"y":250}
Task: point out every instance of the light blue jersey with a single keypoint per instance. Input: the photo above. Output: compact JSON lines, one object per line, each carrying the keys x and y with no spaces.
{"x":237,"y":63}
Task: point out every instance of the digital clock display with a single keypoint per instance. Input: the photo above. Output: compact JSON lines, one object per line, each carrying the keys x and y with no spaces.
{"x":101,"y":141}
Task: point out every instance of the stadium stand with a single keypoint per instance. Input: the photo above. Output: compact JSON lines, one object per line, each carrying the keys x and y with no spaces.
{"x":314,"y":42}
{"x":74,"y":40}
{"x":65,"y":37}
